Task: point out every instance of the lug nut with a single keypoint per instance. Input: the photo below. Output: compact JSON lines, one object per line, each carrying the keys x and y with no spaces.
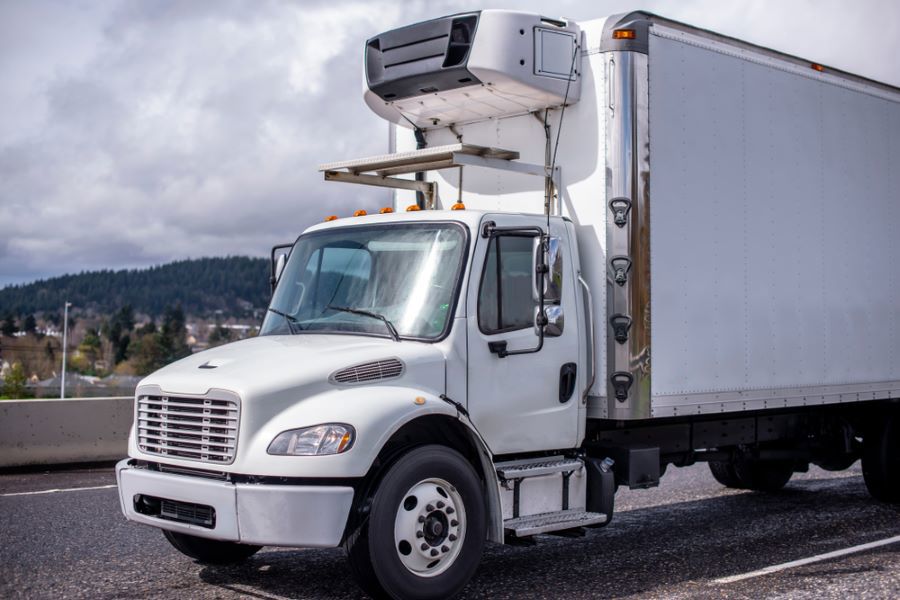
{"x":434,"y":552}
{"x":450,"y":510}
{"x":445,"y":549}
{"x":454,"y":523}
{"x":424,"y":546}
{"x":440,"y":504}
{"x":421,"y":519}
{"x":451,"y":537}
{"x":419,"y":534}
{"x":430,"y":508}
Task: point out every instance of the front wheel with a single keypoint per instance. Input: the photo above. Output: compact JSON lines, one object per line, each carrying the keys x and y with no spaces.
{"x":425,"y":532}
{"x":213,"y":552}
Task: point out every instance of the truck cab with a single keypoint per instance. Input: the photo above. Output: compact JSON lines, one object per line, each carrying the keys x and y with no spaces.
{"x":473,"y":364}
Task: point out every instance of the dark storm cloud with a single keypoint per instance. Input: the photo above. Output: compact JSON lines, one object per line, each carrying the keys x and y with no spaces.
{"x":133,"y":133}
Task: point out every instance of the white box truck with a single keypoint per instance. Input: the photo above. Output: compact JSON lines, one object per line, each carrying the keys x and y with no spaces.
{"x":613,"y":247}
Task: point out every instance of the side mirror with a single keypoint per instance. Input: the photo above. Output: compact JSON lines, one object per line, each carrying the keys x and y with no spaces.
{"x":553,"y":282}
{"x":279,"y":258}
{"x":555,"y":321}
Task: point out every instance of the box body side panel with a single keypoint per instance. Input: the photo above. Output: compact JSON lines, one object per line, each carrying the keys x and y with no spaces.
{"x":773,"y":234}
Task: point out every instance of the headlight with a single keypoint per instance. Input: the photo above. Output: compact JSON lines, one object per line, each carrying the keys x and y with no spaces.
{"x":331,"y":438}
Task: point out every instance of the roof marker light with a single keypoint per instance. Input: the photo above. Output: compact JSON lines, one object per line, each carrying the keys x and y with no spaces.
{"x":412,"y":208}
{"x":331,"y":218}
{"x":458,"y":206}
{"x":624,"y":34}
{"x":386,"y":210}
{"x":817,"y":67}
{"x":360,"y":213}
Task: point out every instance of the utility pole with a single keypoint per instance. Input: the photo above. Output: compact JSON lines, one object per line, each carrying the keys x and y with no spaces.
{"x":62,"y":385}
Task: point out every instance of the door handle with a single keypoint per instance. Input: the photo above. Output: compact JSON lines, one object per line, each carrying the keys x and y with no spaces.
{"x":498,"y":348}
{"x":567,"y":380}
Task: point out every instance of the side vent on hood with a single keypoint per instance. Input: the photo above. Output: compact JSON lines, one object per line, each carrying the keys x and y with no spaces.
{"x":370,"y":371}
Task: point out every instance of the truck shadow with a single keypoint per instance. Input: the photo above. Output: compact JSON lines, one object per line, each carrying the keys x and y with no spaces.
{"x":644,"y":550}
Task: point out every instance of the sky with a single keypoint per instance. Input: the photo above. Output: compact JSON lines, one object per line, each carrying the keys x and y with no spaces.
{"x":137,"y":133}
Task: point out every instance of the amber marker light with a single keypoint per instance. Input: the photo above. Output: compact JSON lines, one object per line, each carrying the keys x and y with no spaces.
{"x":624,"y":34}
{"x":412,"y":208}
{"x":817,"y":67}
{"x":458,"y":206}
{"x":386,"y":210}
{"x":360,"y":213}
{"x":331,"y":218}
{"x":345,"y":441}
{"x":419,"y":400}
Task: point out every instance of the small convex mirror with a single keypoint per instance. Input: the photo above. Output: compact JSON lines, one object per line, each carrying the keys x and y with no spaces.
{"x":553,"y":282}
{"x":279,"y":260}
{"x":555,"y":321}
{"x":279,"y":266}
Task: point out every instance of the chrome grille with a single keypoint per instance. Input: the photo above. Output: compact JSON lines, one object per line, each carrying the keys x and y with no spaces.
{"x":202,"y":429}
{"x":370,"y":371}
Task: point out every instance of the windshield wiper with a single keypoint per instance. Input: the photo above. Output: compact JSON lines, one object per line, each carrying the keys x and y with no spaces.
{"x":291,"y":321}
{"x":374,"y":315}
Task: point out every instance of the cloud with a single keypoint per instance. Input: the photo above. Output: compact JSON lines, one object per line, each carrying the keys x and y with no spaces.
{"x":134,"y":133}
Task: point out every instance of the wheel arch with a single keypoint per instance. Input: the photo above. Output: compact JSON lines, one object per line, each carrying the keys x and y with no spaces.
{"x":444,"y":430}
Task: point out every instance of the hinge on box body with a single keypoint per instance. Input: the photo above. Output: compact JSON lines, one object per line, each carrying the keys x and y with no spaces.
{"x":620,"y":265}
{"x":621,"y":382}
{"x":620,"y":324}
{"x":620,"y":208}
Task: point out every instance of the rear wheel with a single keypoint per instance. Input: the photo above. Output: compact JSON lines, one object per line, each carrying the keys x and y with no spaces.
{"x":758,"y":475}
{"x":881,"y":460}
{"x":425,"y":531}
{"x":723,"y":472}
{"x":214,"y":552}
{"x":764,"y":475}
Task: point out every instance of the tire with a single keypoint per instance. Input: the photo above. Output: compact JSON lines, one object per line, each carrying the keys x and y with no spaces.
{"x":764,"y":475}
{"x":757,"y":475}
{"x":213,"y":552}
{"x":723,"y":472}
{"x":425,"y":531}
{"x":881,"y":460}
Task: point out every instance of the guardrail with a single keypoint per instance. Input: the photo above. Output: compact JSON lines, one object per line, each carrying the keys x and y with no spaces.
{"x":74,"y":430}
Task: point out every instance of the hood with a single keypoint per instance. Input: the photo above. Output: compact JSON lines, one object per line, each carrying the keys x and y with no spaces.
{"x":268,"y":365}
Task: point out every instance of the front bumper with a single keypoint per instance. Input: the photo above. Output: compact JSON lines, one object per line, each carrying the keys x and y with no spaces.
{"x":304,"y":516}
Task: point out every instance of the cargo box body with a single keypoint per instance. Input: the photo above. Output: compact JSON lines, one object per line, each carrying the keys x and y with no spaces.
{"x":763,"y":204}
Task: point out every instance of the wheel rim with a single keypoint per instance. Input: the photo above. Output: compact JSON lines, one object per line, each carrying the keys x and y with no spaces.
{"x":430,"y":527}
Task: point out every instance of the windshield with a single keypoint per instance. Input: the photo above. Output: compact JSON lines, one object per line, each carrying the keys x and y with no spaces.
{"x":370,"y":280}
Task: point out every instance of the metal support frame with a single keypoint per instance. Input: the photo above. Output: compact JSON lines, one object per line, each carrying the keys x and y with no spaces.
{"x":380,"y":171}
{"x":429,"y":188}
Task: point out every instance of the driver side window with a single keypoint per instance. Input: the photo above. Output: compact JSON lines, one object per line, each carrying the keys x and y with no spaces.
{"x":505,"y":297}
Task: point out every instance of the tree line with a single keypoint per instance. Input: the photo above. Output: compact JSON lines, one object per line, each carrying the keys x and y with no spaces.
{"x":235,"y":285}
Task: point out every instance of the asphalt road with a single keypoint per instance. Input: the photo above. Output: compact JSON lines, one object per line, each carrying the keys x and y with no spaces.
{"x":674,"y":541}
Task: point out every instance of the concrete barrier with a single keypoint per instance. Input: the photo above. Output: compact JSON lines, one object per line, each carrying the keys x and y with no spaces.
{"x":49,"y":432}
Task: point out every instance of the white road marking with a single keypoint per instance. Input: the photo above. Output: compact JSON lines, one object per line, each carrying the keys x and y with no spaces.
{"x":54,"y":491}
{"x":811,"y":559}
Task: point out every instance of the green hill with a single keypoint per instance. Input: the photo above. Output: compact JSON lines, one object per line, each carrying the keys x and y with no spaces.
{"x":235,"y":285}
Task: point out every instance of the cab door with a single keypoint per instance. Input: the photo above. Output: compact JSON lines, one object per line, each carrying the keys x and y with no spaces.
{"x":530,"y":401}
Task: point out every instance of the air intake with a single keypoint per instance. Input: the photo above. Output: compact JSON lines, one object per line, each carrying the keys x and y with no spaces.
{"x":370,"y":371}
